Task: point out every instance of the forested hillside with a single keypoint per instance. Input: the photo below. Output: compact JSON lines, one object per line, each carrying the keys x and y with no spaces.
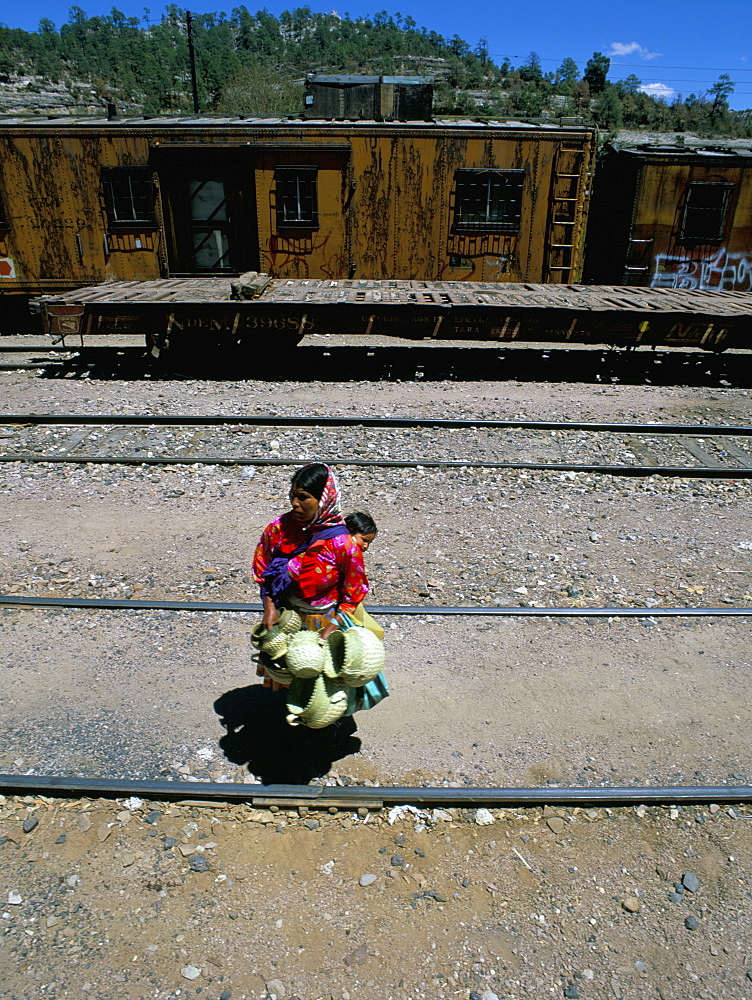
{"x":255,"y":63}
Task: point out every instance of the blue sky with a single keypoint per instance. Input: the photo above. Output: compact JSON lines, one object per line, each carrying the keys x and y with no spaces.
{"x":672,"y":47}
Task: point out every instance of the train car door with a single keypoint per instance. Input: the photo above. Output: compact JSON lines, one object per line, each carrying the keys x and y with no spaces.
{"x":210,"y":218}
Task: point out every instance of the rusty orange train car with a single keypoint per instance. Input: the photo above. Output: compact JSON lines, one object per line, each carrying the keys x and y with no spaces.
{"x":84,"y":201}
{"x":673,"y":212}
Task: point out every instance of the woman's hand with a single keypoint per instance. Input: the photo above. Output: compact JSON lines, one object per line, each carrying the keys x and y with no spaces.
{"x":330,"y":627}
{"x":271,"y":617}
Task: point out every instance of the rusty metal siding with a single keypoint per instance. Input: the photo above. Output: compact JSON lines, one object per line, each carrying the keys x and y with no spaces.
{"x":371,"y":207}
{"x":57,"y":225}
{"x":417,"y":202}
{"x":403,"y":210}
{"x":386,"y":199}
{"x":659,"y":256}
{"x":316,"y":252}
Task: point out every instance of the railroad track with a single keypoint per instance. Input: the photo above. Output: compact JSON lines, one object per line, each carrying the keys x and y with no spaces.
{"x":691,"y":451}
{"x":409,"y":610}
{"x":371,"y":797}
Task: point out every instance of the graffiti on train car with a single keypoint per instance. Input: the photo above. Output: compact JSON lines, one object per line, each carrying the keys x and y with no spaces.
{"x":723,"y":271}
{"x":292,"y":258}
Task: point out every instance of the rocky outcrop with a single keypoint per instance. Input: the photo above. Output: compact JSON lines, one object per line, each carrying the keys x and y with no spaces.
{"x":31,"y":95}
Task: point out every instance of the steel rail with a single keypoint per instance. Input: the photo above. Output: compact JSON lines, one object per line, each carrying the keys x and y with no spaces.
{"x":21,"y":366}
{"x":114,"y":604}
{"x":52,"y":349}
{"x":353,"y":796}
{"x":669,"y":471}
{"x":273,"y":421}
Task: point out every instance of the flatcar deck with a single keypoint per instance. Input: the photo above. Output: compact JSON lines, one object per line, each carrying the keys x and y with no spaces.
{"x":623,"y":316}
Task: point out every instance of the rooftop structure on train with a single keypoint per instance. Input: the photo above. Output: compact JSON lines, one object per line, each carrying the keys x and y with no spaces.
{"x":89,"y":200}
{"x":380,"y":98}
{"x":672,"y":211}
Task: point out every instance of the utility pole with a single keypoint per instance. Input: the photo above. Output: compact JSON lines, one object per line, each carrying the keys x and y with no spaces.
{"x":192,"y":60}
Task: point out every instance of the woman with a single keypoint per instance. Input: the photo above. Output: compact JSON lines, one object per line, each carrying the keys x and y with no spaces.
{"x":307,"y":560}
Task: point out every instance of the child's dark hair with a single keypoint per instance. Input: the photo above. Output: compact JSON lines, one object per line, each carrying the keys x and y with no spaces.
{"x":359,"y":523}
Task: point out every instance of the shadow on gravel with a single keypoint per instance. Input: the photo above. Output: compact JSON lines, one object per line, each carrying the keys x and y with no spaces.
{"x":401,"y":363}
{"x":279,"y":754}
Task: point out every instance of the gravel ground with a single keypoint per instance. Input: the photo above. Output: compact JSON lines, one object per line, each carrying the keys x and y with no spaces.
{"x":562,"y":903}
{"x":134,"y":900}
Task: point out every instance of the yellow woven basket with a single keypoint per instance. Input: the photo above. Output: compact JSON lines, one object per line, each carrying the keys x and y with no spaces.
{"x":274,"y":643}
{"x":315,"y":702}
{"x":356,"y":656}
{"x":290,"y":621}
{"x":305,"y":654}
{"x":258,"y":634}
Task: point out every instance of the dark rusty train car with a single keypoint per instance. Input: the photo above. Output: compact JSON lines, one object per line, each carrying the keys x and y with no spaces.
{"x":672,"y":212}
{"x":93,"y":200}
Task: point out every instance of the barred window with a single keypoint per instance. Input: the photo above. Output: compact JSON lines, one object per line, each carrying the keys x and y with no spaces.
{"x":705,"y":211}
{"x":489,"y":200}
{"x":297,"y":206}
{"x":129,"y":196}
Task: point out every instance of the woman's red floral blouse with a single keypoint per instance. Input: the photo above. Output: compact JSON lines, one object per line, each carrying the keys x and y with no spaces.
{"x":330,"y":571}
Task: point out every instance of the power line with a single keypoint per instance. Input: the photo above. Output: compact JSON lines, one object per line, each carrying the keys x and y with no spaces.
{"x":657,"y":77}
{"x":656,"y":73}
{"x":700,"y":69}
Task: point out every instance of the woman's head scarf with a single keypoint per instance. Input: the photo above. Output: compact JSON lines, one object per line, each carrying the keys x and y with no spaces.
{"x":329,"y":513}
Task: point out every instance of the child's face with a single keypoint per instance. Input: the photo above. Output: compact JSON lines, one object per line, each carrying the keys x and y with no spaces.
{"x":364,"y":541}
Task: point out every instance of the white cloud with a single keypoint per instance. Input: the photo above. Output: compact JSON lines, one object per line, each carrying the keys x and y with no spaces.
{"x":659,"y":90}
{"x":631,"y":48}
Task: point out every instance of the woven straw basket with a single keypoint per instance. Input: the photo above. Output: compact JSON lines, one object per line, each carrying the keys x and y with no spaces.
{"x":305,"y":654}
{"x":257,"y":635}
{"x":315,"y":702}
{"x":290,"y":621}
{"x":274,"y":643}
{"x":276,"y":671}
{"x":355,"y":657}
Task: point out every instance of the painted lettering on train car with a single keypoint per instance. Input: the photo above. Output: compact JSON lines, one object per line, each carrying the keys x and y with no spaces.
{"x":231,"y":323}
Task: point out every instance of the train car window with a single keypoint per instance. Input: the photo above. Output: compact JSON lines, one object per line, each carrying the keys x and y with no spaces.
{"x":705,"y":211}
{"x":297,"y":205}
{"x":129,"y":196}
{"x":210,"y":224}
{"x":489,"y":200}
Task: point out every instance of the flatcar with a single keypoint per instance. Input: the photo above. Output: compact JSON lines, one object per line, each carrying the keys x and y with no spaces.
{"x":216,"y":315}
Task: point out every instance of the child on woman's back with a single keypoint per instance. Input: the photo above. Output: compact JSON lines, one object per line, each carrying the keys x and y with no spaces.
{"x":363,"y":529}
